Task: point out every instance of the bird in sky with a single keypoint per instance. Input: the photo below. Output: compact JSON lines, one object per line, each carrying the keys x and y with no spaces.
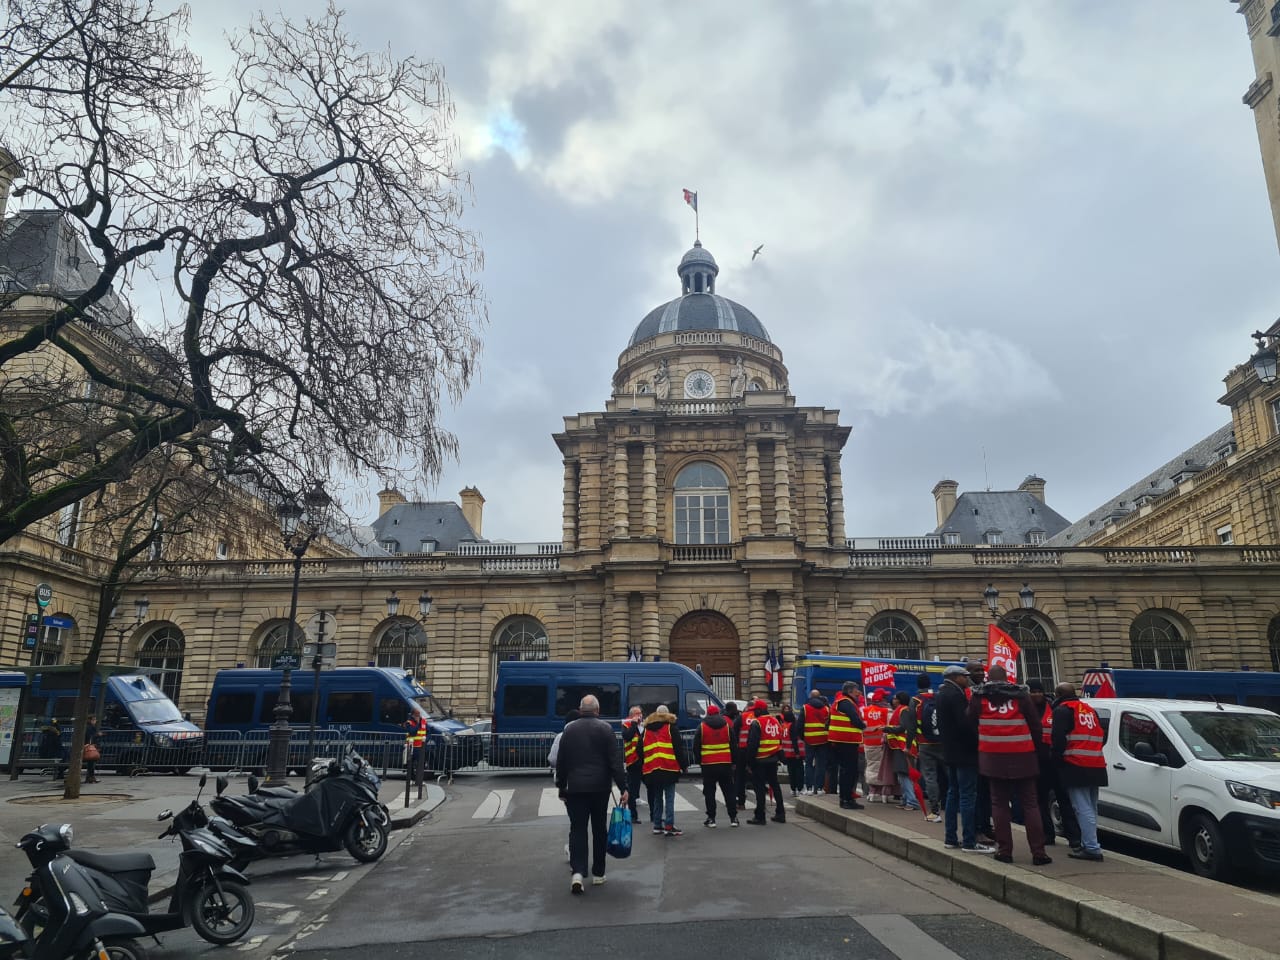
{"x":756,"y":252}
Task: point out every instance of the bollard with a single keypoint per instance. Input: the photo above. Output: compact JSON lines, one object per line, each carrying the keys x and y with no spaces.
{"x":422,"y":769}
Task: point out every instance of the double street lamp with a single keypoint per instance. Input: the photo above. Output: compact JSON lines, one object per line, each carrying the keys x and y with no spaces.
{"x":300,"y":524}
{"x":1026,"y":598}
{"x":140,"y":608}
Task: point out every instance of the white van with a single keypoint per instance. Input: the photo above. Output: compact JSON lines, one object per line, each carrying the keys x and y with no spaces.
{"x":1198,"y":777}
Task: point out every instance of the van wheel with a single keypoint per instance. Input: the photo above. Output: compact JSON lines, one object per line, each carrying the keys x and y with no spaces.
{"x":181,"y":771}
{"x":1204,"y":846}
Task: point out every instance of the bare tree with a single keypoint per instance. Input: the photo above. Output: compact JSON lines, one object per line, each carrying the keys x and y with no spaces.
{"x":298,"y":223}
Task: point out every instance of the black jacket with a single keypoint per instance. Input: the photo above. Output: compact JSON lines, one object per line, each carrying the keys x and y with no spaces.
{"x":590,"y":758}
{"x":1070,"y":774}
{"x":959,"y":736}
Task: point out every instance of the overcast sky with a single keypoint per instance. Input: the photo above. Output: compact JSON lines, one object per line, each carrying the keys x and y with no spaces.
{"x":998,"y":238}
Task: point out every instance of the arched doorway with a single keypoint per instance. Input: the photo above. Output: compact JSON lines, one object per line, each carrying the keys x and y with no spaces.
{"x":707,"y":641}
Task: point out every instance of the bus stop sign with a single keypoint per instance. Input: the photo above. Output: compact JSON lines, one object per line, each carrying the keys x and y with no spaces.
{"x":44,"y":595}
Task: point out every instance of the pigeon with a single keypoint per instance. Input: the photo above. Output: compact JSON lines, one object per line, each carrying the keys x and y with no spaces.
{"x":756,"y":252}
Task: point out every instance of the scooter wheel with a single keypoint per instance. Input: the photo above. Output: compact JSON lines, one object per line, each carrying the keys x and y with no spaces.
{"x":366,"y":844}
{"x":221,"y":913}
{"x":122,"y":948}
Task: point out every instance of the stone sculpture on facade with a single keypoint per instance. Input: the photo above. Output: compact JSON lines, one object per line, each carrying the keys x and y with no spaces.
{"x":662,"y":380}
{"x":738,"y":379}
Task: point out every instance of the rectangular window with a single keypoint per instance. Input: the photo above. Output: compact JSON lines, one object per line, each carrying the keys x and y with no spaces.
{"x":222,"y":549}
{"x":647,"y":696}
{"x":1275,"y":415}
{"x":570,"y":695}
{"x":1036,"y":537}
{"x":524,"y":700}
{"x":951,"y":539}
{"x":1223,"y":534}
{"x":300,"y":702}
{"x":995,"y":538}
{"x":392,"y":710}
{"x":234,"y":708}
{"x":68,"y":521}
{"x":350,"y":707}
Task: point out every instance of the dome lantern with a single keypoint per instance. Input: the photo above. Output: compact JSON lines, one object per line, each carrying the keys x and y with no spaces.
{"x":697,"y":270}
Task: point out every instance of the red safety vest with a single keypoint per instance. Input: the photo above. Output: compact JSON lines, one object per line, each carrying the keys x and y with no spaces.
{"x":715,"y":745}
{"x":875,"y":717}
{"x":659,"y":751}
{"x":630,"y":743}
{"x":815,"y":724}
{"x":896,"y":741}
{"x":790,"y":748}
{"x":1046,"y":725}
{"x":840,"y":729}
{"x":744,"y":731}
{"x":770,"y":736}
{"x":1003,"y":729}
{"x":1084,"y":742}
{"x":417,"y":735}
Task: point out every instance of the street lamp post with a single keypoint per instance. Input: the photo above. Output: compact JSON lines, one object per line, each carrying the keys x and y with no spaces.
{"x":1264,"y":360}
{"x":297,"y":538}
{"x":140,"y":608}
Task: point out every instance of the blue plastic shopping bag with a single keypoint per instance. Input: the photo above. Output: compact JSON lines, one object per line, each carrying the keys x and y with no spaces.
{"x":620,"y":833}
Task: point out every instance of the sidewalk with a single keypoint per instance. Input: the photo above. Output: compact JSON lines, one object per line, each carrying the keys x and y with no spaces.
{"x":1140,"y":909}
{"x":119,"y":814}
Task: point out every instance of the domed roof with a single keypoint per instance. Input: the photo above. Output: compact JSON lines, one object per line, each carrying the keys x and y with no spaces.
{"x":699,"y":307}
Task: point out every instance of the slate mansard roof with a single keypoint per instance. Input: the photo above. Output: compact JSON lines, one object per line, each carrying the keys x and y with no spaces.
{"x":441,"y":526}
{"x":1157,"y":483}
{"x":1014,"y":514}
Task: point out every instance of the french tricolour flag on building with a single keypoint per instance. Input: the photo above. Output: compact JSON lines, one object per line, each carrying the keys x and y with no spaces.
{"x":773,"y":670}
{"x":691,"y":198}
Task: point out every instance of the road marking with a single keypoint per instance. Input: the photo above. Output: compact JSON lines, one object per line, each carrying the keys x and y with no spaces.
{"x":550,"y":804}
{"x":339,"y":876}
{"x":289,"y":918}
{"x":274,"y":906}
{"x":496,"y":804}
{"x":903,"y":938}
{"x":252,"y":943}
{"x":318,"y":894}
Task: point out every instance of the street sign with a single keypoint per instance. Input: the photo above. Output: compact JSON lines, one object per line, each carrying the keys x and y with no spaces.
{"x":328,"y":654}
{"x":286,"y":659}
{"x":32,"y":635}
{"x":44,"y":595}
{"x":329,"y":622}
{"x":62,"y":623}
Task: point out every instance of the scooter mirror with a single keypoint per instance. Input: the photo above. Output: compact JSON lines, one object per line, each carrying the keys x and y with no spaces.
{"x":165,"y":815}
{"x":222,"y":783}
{"x":204,"y":778}
{"x":253,"y":784}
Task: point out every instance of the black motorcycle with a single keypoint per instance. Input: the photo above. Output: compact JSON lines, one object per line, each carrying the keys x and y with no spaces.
{"x":339,"y":809}
{"x":60,"y":913}
{"x":208,"y":894}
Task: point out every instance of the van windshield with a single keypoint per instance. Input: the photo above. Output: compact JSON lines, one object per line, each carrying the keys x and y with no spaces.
{"x":154,"y":711}
{"x":1226,"y":735}
{"x":433,"y":708}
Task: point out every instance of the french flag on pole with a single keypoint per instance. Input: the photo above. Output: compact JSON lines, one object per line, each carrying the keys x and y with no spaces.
{"x":633,"y":653}
{"x":773,"y":670}
{"x":691,"y":198}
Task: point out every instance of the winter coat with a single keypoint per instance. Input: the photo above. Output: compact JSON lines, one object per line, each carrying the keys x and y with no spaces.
{"x":900,"y":760}
{"x":51,"y":742}
{"x":959,"y":734}
{"x":1007,"y":766}
{"x":589,"y":759}
{"x":659,"y":778}
{"x":715,"y":721}
{"x":1070,"y":774}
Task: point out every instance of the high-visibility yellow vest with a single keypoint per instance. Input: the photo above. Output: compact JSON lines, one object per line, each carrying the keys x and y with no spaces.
{"x":840,"y":729}
{"x":770,"y":736}
{"x":715,"y":745}
{"x":659,"y":751}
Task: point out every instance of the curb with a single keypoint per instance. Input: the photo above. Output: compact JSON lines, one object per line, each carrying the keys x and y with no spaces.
{"x":1113,"y":923}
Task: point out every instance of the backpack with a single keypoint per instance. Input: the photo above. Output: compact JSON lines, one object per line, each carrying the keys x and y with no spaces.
{"x":927,"y":721}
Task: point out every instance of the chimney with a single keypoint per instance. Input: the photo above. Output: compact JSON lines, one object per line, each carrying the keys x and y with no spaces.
{"x":9,"y":172}
{"x":1033,"y":485}
{"x":388,"y":498}
{"x":472,"y":507}
{"x":944,"y":498}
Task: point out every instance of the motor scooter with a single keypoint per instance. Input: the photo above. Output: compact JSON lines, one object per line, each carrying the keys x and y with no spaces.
{"x":208,"y":894}
{"x":340,"y":809}
{"x":73,"y":922}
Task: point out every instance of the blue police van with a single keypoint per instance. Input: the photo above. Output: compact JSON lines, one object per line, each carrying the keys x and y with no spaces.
{"x":350,"y":702}
{"x":827,"y":673}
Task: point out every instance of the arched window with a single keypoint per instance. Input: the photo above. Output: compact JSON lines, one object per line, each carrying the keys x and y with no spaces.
{"x":522,"y":638}
{"x":1273,"y":641}
{"x":52,"y":642}
{"x":892,"y":637}
{"x":163,"y":651}
{"x":275,"y":641}
{"x":701,"y":504}
{"x":1037,"y":661}
{"x":1158,"y":644}
{"x":402,"y":642}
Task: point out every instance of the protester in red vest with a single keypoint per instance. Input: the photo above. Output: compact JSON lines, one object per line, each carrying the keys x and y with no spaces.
{"x":1048,"y":785}
{"x":844,"y":735}
{"x":813,"y":718}
{"x":1008,"y":731}
{"x":632,"y":739}
{"x":881,"y":783}
{"x":741,"y":726}
{"x":793,"y":747}
{"x":714,"y":746}
{"x":897,"y":739}
{"x":928,"y":741}
{"x":764,"y":747}
{"x":1082,"y":769}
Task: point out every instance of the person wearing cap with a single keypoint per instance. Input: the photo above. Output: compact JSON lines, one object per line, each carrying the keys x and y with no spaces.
{"x":793,"y":749}
{"x":764,"y":746}
{"x":714,"y":747}
{"x":814,"y":716}
{"x":662,"y":760}
{"x":960,"y":753}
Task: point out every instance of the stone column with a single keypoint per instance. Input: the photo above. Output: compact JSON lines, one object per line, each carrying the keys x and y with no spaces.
{"x":650,"y":489}
{"x":569,"y":529}
{"x":788,"y":636}
{"x":782,"y":488}
{"x":649,"y":638}
{"x":621,"y":499}
{"x":836,"y":493}
{"x":757,"y":643}
{"x":620,"y":628}
{"x":753,"y":488}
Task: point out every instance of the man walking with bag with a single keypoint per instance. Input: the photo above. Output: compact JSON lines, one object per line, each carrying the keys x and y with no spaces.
{"x":588,"y":764}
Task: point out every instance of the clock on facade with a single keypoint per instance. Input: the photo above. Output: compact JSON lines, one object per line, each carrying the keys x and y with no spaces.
{"x":699,"y":385}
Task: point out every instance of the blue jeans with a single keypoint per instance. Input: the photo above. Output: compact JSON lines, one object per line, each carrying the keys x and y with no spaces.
{"x":962,"y":799}
{"x":908,"y":792}
{"x":662,"y":805}
{"x":1084,"y":801}
{"x":815,"y":766}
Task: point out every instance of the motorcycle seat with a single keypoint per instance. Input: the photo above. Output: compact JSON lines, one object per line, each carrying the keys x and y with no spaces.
{"x":113,"y":862}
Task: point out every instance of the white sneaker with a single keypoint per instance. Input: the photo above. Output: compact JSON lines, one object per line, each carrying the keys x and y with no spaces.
{"x":933,"y":818}
{"x":979,"y":848}
{"x":597,"y":881}
{"x":575,"y":885}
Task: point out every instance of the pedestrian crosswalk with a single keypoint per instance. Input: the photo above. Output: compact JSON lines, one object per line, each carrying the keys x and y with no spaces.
{"x":528,"y":800}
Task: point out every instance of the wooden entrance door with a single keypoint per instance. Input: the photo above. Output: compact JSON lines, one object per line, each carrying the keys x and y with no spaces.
{"x":706,"y":641}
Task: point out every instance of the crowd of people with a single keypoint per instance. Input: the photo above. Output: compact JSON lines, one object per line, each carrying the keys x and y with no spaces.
{"x":976,"y":755}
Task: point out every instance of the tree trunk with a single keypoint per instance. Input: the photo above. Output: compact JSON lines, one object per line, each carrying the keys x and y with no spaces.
{"x":106,"y":599}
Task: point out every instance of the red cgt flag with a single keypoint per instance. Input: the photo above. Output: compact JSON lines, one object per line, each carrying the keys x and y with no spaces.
{"x":1003,"y":650}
